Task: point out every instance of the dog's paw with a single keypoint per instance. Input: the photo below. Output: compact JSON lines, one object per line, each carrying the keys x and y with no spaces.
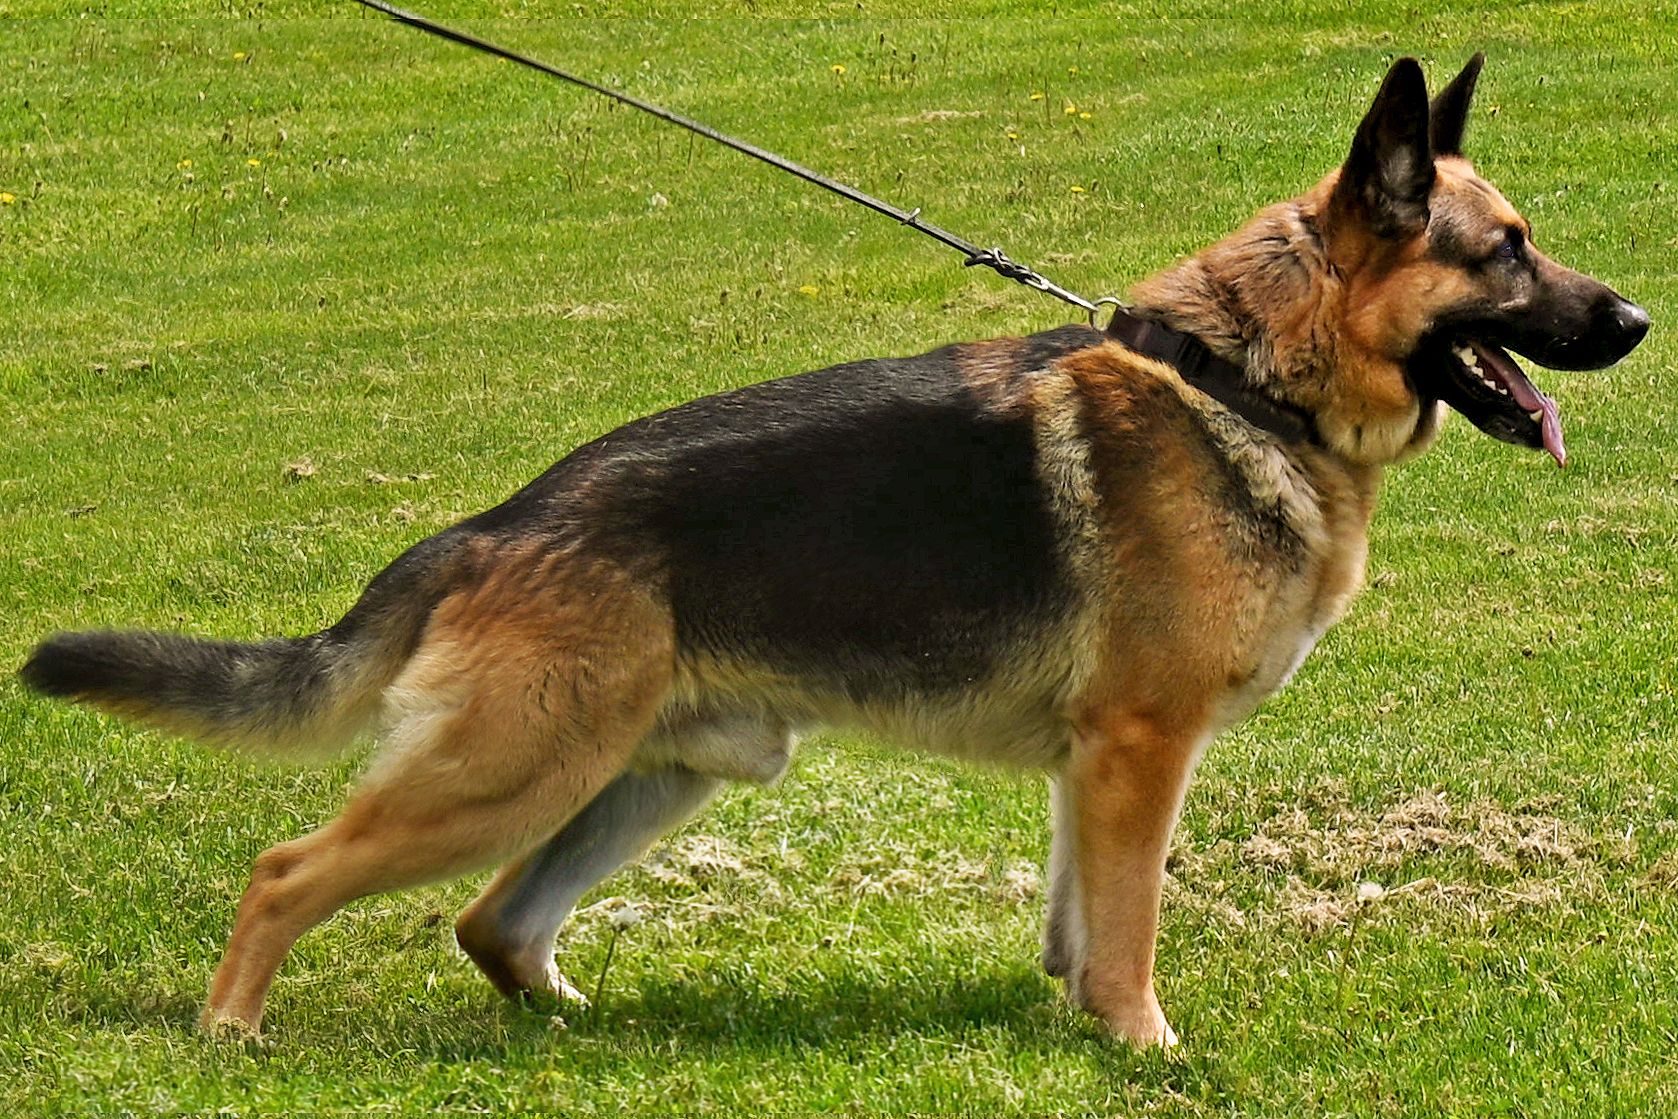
{"x":1143,"y":1026}
{"x":1136,"y":1019}
{"x":552,"y":995}
{"x":554,"y":985}
{"x":1156,"y":1034}
{"x":228,"y":1028}
{"x":565,"y":991}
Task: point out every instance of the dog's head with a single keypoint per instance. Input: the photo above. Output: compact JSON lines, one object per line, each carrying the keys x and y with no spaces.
{"x":1440,"y":280}
{"x":1399,"y":284}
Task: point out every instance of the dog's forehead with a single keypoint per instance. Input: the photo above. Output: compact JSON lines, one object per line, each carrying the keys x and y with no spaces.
{"x":1466,"y":207}
{"x":1467,"y":212}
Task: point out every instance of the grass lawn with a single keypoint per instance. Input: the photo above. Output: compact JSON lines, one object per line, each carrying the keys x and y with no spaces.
{"x":283,"y":294}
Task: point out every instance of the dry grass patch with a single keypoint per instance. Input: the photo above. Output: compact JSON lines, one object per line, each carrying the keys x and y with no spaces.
{"x":1351,"y":842}
{"x":1315,"y":861}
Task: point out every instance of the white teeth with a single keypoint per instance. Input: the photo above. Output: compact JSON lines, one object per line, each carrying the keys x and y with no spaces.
{"x":1536,"y":416}
{"x":1468,"y":357}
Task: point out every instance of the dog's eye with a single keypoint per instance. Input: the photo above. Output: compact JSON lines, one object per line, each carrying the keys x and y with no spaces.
{"x":1510,"y":249}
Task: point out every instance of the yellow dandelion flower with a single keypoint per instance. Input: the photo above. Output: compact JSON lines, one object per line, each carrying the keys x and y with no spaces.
{"x":240,"y":56}
{"x":1037,"y":96}
{"x":1070,"y":110}
{"x":7,"y":198}
{"x":1076,"y":189}
{"x":837,"y":67}
{"x":810,"y":290}
{"x":183,"y":165}
{"x":1083,"y":116}
{"x":253,"y":163}
{"x":1013,"y":135}
{"x":1071,"y":69}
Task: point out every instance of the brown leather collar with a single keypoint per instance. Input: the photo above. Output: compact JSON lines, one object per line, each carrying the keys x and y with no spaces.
{"x":1223,"y":381}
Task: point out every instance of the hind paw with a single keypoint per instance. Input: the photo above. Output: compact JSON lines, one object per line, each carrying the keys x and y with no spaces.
{"x":553,"y":990}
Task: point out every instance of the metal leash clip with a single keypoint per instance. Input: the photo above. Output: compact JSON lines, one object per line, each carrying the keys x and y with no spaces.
{"x":1105,"y":301}
{"x":990,"y":258}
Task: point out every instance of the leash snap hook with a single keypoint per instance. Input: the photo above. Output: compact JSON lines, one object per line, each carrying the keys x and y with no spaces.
{"x":993,"y":258}
{"x":1105,"y":301}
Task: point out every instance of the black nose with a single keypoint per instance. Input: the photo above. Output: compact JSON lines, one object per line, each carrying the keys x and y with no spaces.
{"x":1633,"y":322}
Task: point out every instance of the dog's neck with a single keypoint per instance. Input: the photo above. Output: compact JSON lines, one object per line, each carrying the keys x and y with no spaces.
{"x":1221,"y":294}
{"x":1268,"y":298}
{"x":1221,"y":379}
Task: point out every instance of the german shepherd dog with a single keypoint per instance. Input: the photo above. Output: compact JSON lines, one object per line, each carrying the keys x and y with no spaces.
{"x":1057,"y":552}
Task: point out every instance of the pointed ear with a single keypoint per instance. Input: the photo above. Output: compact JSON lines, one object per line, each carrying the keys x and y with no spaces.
{"x":1450,"y":109}
{"x":1389,"y":173}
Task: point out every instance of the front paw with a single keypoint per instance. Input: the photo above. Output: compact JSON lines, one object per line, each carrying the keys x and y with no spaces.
{"x":1057,"y":956}
{"x":1133,"y":1018}
{"x":221,"y":1026}
{"x":1145,"y":1028}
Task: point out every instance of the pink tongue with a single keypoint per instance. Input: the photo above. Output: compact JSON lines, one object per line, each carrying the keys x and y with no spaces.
{"x":1526,"y":394}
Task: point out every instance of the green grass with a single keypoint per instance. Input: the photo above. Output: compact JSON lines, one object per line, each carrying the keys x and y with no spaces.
{"x":439,"y":274}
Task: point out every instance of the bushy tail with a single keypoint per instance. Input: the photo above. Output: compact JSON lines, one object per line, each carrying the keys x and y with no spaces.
{"x":304,"y":698}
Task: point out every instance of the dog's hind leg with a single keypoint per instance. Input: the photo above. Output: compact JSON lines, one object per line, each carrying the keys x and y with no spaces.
{"x":521,"y":705}
{"x":509,"y":930}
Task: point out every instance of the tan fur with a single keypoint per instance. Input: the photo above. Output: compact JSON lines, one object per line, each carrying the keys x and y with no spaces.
{"x":1203,"y":619}
{"x":1329,"y":337}
{"x":529,"y":692}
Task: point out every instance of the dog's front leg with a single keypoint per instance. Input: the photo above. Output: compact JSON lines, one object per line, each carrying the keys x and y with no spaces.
{"x":1123,"y":787}
{"x":1063,"y":929}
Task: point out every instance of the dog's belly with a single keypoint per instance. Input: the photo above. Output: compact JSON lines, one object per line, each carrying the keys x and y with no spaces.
{"x":751,"y":738}
{"x":991,"y":730}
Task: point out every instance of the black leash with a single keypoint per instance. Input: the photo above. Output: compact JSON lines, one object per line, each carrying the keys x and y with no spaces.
{"x":988,"y":258}
{"x":1222,"y":380}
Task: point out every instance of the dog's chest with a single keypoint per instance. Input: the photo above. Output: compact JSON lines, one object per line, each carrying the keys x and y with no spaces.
{"x":1301,"y":611}
{"x":1277,"y":661}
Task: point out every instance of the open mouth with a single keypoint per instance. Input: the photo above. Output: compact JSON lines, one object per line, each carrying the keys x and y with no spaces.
{"x":1482,"y":381}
